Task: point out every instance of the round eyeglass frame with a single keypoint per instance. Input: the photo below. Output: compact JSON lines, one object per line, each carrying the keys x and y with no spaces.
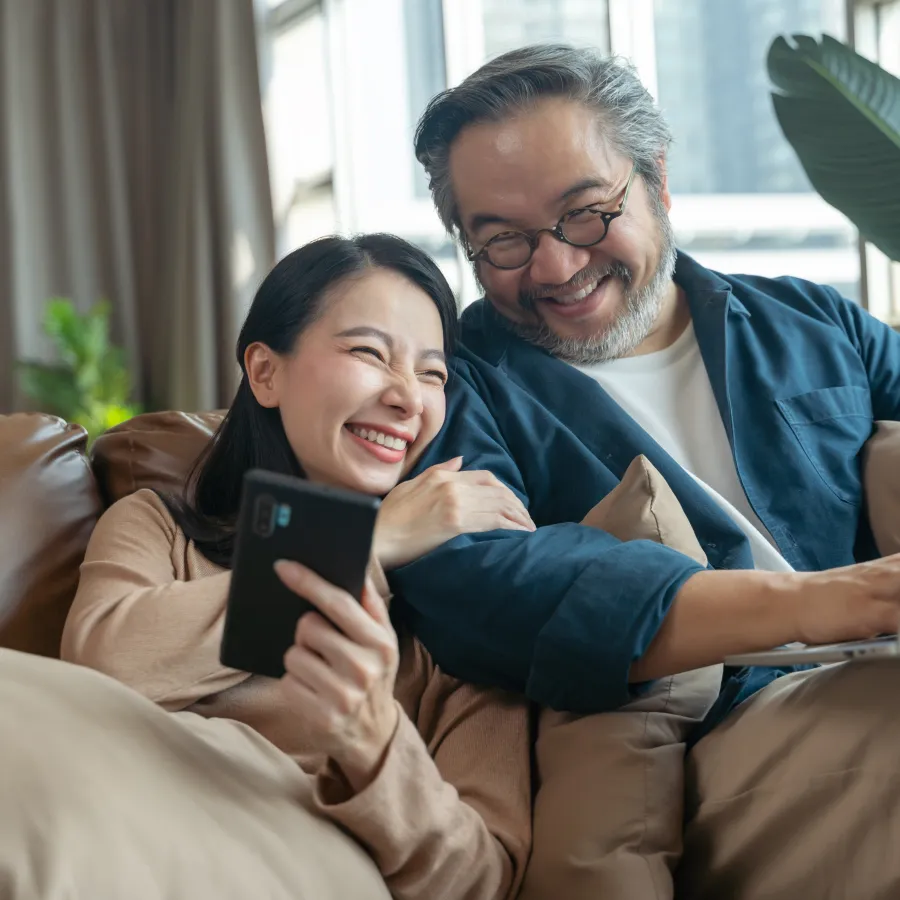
{"x":557,"y":231}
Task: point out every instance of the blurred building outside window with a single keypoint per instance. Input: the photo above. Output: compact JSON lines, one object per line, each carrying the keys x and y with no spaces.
{"x":346,"y":80}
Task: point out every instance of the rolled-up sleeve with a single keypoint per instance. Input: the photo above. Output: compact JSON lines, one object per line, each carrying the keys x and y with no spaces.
{"x":560,"y":613}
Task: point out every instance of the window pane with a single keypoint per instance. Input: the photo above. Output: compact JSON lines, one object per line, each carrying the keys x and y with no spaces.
{"x":297,"y":115}
{"x":716,"y":95}
{"x":741,"y":201}
{"x":426,"y":73}
{"x":514,"y":23}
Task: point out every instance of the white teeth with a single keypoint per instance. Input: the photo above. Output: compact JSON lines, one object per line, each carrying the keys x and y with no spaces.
{"x":379,"y":437}
{"x":568,"y":299}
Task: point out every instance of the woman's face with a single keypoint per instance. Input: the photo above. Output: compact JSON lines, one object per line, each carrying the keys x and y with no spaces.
{"x":362,"y":395}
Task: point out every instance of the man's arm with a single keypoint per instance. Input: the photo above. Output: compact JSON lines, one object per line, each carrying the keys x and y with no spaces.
{"x":570,"y":615}
{"x":879,"y":348}
{"x":560,"y":613}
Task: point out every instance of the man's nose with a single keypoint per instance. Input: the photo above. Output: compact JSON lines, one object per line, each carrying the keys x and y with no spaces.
{"x":555,"y":262}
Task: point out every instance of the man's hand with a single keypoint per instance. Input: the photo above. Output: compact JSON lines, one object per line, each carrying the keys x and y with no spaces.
{"x":851,"y":603}
{"x":724,"y":613}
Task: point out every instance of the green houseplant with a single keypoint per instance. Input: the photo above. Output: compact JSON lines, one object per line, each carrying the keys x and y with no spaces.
{"x":841,"y":114}
{"x":89,"y":383}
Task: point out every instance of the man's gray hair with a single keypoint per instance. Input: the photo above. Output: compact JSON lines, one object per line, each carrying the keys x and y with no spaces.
{"x":513,"y":82}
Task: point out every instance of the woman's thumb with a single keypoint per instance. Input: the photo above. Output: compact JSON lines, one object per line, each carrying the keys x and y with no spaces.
{"x":451,"y":465}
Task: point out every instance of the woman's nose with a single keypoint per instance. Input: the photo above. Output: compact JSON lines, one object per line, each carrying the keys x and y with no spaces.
{"x":405,"y":393}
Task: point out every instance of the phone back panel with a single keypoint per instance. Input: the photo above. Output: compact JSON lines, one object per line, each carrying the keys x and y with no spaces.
{"x":329,"y":530}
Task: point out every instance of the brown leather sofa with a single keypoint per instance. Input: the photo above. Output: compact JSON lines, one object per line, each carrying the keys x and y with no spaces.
{"x":51,"y":495}
{"x":52,"y":492}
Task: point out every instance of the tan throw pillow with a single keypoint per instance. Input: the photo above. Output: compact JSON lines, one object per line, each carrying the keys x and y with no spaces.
{"x":609,"y":809}
{"x":881,"y":479}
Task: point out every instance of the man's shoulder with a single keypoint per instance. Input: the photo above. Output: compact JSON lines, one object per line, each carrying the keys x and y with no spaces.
{"x":806,"y":297}
{"x":483,"y":336}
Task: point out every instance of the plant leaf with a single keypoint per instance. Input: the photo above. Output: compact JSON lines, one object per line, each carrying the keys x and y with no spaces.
{"x":53,"y":388}
{"x":841,"y":114}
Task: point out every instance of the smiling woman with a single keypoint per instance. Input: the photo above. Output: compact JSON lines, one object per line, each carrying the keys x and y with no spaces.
{"x":343,"y":360}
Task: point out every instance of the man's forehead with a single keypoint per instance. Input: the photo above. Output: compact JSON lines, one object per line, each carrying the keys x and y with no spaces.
{"x":532,"y":157}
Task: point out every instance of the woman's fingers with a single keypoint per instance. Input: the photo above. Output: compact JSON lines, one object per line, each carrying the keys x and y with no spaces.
{"x":335,"y":604}
{"x":373,"y":603}
{"x":356,"y":664}
{"x":499,"y":499}
{"x":312,"y":670}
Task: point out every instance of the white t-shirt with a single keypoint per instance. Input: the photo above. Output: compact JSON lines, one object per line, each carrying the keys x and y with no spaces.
{"x":668,"y":393}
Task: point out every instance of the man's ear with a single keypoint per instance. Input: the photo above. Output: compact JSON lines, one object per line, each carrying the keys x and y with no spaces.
{"x":664,"y":194}
{"x":263,"y":367}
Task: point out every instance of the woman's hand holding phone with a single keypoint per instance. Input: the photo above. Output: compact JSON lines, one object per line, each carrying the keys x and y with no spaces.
{"x":440,"y":504}
{"x":340,"y":673}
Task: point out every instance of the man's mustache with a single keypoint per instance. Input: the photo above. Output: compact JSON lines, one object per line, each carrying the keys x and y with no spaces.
{"x":585,"y":276}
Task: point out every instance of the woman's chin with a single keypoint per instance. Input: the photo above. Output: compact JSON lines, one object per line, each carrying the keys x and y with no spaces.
{"x":371,"y":480}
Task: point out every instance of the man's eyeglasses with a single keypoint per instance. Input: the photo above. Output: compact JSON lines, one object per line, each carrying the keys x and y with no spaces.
{"x":583,"y":227}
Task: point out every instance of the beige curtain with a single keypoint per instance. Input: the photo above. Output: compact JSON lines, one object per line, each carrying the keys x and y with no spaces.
{"x":133,"y":168}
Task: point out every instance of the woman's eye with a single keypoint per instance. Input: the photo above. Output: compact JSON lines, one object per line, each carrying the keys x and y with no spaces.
{"x":369,"y":351}
{"x":434,"y":375}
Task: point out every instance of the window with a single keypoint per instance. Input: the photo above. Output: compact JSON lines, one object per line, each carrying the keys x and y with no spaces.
{"x":364,"y":71}
{"x":297,"y":115}
{"x":741,"y":201}
{"x":877,"y":36}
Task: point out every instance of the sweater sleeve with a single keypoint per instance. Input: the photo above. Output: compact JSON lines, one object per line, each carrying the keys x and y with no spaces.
{"x":449,"y":813}
{"x":135,"y":620}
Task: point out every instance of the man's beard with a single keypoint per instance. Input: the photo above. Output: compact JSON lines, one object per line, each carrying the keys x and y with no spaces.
{"x":631,"y":325}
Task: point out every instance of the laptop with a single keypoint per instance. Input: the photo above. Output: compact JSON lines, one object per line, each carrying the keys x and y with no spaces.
{"x":800,"y":654}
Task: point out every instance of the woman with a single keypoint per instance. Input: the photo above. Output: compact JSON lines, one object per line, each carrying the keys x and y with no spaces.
{"x":343,"y":361}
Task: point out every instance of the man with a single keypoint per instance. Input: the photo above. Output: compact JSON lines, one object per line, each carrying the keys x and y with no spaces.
{"x":597,"y":342}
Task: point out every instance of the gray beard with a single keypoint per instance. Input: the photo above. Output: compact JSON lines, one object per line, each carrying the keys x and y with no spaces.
{"x":630,"y":327}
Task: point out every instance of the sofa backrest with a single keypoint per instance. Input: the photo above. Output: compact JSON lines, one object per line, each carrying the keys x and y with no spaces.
{"x":49,"y":505}
{"x":51,"y":496}
{"x":154,"y":450}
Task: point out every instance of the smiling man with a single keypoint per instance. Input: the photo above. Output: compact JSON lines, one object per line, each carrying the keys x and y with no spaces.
{"x":597,"y":342}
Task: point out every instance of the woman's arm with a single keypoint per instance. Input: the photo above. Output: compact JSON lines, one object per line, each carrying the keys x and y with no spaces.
{"x":449,"y":812}
{"x":443,"y":805}
{"x":133,"y":618}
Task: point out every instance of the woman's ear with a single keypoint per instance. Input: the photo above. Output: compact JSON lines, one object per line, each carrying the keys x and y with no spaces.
{"x":263,"y":367}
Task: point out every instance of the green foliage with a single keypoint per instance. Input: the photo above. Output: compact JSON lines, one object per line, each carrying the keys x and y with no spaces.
{"x":89,"y":383}
{"x":841,"y":114}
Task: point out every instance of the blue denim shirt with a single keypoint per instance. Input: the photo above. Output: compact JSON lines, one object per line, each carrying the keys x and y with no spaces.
{"x":799,"y":375}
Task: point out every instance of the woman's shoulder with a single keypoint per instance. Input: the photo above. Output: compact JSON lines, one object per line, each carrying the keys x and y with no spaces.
{"x":141,"y":514}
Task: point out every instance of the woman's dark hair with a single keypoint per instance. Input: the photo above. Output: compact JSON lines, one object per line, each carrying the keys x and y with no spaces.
{"x":251,"y":436}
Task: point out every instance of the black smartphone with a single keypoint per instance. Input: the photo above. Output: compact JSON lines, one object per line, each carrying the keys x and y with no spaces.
{"x":327,"y":529}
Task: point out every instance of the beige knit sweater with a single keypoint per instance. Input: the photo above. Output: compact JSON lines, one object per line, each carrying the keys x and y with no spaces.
{"x":449,"y":813}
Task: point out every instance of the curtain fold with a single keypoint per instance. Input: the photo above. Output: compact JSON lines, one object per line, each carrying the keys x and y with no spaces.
{"x":133,"y":168}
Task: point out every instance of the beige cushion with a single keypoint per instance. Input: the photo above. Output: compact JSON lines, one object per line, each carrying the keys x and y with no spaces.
{"x":881,"y":478}
{"x":105,"y":795}
{"x":609,"y":809}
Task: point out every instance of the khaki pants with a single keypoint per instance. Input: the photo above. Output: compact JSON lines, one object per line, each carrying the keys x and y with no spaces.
{"x":797,"y":794}
{"x":103,"y":796}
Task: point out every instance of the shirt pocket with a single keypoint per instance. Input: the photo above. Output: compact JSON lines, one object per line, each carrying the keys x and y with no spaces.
{"x":831,"y":425}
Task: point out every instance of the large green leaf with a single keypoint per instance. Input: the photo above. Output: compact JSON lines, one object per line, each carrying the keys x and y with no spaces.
{"x":841,"y":114}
